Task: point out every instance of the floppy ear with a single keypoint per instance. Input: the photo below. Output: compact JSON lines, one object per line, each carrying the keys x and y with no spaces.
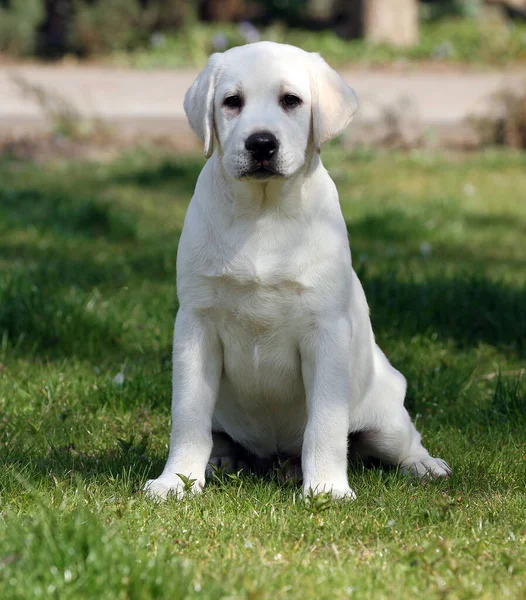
{"x":334,"y":103}
{"x":199,"y":103}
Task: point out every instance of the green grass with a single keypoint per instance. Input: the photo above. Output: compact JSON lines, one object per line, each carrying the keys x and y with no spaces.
{"x":87,"y":291}
{"x":446,"y":41}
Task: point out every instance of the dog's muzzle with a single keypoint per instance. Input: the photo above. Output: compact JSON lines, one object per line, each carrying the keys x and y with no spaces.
{"x":262,"y":147}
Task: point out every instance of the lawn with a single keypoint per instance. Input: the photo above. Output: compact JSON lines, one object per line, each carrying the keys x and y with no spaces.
{"x":87,"y":302}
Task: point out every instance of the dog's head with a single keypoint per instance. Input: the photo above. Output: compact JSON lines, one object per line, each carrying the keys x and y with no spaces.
{"x":266,"y":106}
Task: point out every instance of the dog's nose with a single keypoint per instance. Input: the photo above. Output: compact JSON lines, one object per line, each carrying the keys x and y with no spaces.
{"x":262,"y":145}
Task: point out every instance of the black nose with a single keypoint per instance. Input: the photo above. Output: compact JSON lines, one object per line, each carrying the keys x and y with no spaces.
{"x":262,"y":145}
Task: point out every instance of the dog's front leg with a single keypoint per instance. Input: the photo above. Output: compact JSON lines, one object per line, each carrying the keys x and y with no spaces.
{"x":325,"y":362}
{"x":197,"y":366}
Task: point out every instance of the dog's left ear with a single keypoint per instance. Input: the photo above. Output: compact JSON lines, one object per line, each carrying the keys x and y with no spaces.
{"x":199,"y":103}
{"x":334,"y":103}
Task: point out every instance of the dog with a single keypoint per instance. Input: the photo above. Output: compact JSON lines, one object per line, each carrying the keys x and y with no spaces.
{"x":273,"y":348}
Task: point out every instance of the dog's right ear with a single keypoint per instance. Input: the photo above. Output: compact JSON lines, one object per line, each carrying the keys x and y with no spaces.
{"x":199,"y":103}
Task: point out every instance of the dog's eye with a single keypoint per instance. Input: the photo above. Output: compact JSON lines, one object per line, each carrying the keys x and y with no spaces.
{"x":233,"y":102}
{"x":290,"y":101}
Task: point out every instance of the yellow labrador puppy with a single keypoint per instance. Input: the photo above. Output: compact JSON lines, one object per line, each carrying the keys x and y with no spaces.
{"x":273,"y":343}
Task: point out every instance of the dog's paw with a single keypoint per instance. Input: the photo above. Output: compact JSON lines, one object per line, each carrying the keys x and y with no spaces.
{"x":337,"y":492}
{"x":425,"y":467}
{"x":161,"y":489}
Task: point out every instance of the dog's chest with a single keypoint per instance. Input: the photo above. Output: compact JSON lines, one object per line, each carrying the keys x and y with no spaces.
{"x":257,"y":284}
{"x":254,"y":300}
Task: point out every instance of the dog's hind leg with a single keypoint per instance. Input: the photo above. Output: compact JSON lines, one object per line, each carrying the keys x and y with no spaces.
{"x":398,"y":443}
{"x":392,"y":438}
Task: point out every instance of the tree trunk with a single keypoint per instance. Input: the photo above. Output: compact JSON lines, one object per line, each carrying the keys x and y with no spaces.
{"x":392,"y":22}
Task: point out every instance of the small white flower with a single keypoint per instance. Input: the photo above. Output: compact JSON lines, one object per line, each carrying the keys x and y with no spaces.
{"x":470,"y":189}
{"x":425,"y":249}
{"x":119,"y":378}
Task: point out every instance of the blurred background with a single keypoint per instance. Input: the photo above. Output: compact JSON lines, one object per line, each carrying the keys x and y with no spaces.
{"x":445,"y":73}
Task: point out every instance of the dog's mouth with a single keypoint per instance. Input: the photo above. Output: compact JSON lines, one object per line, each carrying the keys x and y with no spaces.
{"x":262,"y":169}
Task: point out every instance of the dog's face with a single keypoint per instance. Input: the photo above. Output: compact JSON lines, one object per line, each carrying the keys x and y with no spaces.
{"x":262,"y":112}
{"x":267,"y":106}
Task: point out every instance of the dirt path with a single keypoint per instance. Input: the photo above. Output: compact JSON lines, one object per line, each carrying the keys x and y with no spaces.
{"x":153,"y":100}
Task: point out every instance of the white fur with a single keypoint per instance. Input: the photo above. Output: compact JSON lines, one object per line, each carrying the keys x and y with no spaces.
{"x":273,"y":344}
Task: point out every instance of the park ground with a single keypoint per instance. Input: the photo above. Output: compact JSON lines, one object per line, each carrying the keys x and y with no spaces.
{"x":87,"y":302}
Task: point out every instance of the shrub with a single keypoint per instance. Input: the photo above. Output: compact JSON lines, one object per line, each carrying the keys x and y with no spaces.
{"x":104,"y":26}
{"x":19,"y":20}
{"x":438,"y":9}
{"x":506,"y":126}
{"x":88,"y":27}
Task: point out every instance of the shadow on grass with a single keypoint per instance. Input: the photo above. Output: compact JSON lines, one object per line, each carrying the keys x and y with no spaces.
{"x":79,"y":266}
{"x":467,"y":309}
{"x":181,"y":174}
{"x":390,"y":226}
{"x":68,"y":214}
{"x":491,"y":221}
{"x":130,"y":466}
{"x":62,"y":248}
{"x":467,"y":306}
{"x":400,"y":235}
{"x":65,"y":463}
